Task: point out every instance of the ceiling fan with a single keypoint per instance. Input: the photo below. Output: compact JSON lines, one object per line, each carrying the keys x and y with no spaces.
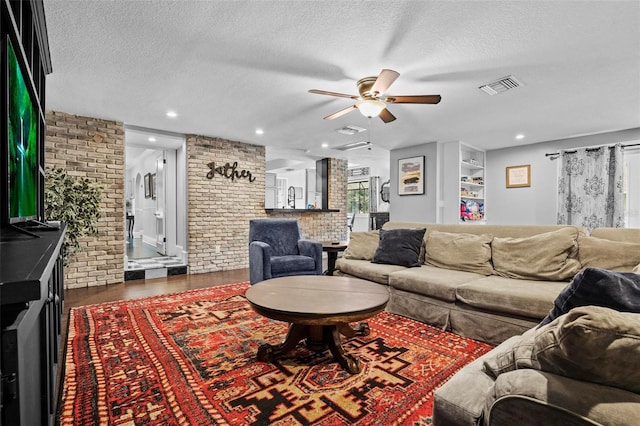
{"x":372,"y":100}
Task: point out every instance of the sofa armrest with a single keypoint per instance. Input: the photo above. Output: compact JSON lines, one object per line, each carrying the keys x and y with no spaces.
{"x":259,"y":261}
{"x":521,"y":396}
{"x":525,"y":411}
{"x":312,"y":249}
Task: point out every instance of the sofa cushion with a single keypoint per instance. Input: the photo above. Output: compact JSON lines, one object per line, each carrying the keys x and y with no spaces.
{"x":512,"y":354}
{"x":629,"y":235}
{"x":548,"y":256}
{"x":291,"y":264}
{"x":431,"y":281}
{"x":460,"y":251}
{"x":594,"y":344}
{"x":399,"y":247}
{"x":366,"y":270}
{"x":362,"y":245}
{"x":527,"y":298}
{"x":600,"y":287}
{"x":589,"y":343}
{"x":607,"y":254}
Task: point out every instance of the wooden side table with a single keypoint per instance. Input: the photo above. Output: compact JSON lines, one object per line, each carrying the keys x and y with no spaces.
{"x":333,"y":248}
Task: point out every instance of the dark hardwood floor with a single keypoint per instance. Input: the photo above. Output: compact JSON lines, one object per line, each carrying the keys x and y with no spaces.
{"x":151,"y":287}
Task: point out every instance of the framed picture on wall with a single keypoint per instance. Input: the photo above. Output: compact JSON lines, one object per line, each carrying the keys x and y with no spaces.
{"x":411,"y":176}
{"x":152,"y":185}
{"x":519,"y":176}
{"x":147,"y":185}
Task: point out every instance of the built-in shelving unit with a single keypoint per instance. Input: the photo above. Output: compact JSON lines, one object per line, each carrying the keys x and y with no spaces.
{"x":471,"y":184}
{"x":464,"y":184}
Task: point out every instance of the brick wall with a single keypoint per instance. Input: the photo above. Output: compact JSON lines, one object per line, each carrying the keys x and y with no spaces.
{"x":219,"y":208}
{"x":94,"y":149}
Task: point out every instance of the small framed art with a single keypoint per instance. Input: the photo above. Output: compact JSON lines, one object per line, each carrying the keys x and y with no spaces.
{"x":518,"y":176}
{"x":147,"y":185}
{"x":411,"y":176}
{"x":152,"y":185}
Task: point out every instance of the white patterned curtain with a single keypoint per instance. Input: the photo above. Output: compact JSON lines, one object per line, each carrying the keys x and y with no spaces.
{"x":590,"y":188}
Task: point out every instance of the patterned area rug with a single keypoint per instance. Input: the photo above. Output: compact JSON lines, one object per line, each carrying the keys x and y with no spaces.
{"x":190,"y":359}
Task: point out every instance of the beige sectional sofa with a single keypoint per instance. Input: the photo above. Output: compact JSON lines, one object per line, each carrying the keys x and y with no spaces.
{"x":579,"y":369}
{"x":485,"y":300}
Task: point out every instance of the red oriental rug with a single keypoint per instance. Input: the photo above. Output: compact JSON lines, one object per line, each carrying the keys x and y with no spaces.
{"x":190,"y":359}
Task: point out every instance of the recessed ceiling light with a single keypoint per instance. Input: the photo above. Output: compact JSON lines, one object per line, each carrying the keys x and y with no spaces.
{"x":259,"y":132}
{"x":519,"y":136}
{"x":151,"y":139}
{"x":172,"y":114}
{"x":325,"y":145}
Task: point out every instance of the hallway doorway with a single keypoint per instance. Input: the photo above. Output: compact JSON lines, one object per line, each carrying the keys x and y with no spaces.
{"x":155,"y":204}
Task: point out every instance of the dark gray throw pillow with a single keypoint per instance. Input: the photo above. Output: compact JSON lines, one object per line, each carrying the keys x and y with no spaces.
{"x":399,"y":247}
{"x":598,"y":287}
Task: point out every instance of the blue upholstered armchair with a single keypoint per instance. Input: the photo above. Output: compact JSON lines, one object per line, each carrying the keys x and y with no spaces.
{"x":276,"y":250}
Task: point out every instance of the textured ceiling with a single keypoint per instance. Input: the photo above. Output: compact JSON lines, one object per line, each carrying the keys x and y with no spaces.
{"x":229,"y":67}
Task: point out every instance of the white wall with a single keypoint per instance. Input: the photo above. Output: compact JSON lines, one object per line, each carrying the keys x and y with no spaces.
{"x":297,"y":179}
{"x":181,"y":200}
{"x":632,"y":158}
{"x":535,"y":204}
{"x":145,"y":220}
{"x":415,"y":208}
{"x":379,"y":166}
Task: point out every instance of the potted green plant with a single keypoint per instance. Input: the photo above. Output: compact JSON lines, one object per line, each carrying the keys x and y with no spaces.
{"x":75,"y":201}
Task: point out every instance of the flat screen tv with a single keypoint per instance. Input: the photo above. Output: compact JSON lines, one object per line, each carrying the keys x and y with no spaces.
{"x":22,"y":143}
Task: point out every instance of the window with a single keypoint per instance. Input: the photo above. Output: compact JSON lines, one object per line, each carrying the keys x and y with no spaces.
{"x":358,"y":197}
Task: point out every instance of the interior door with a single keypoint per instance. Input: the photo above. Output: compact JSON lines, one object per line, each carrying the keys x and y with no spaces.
{"x":160,"y":194}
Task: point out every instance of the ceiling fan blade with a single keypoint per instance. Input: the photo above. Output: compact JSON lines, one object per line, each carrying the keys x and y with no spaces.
{"x":384,"y":80}
{"x":340,"y":95}
{"x":340,"y":113}
{"x":386,"y":116}
{"x":418,"y":99}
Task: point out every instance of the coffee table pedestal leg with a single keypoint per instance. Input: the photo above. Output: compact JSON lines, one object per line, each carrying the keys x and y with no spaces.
{"x":268,"y":353}
{"x":315,"y":339}
{"x":349,"y":362}
{"x":362,"y":329}
{"x":318,"y":338}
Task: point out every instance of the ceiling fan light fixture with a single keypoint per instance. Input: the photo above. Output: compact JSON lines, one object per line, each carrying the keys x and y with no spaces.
{"x":370,"y":107}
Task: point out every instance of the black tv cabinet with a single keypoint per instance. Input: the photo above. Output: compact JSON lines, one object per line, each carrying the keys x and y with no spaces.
{"x":31,"y":304}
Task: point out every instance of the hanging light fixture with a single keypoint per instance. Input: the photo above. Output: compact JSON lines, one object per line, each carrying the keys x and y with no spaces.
{"x":370,"y":107}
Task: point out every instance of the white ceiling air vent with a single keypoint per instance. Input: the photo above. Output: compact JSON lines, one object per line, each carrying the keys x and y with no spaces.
{"x":353,"y":145}
{"x":358,"y":172}
{"x":502,"y":85}
{"x":350,"y":130}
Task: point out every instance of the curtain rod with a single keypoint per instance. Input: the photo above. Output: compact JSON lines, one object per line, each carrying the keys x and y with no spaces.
{"x":549,"y":154}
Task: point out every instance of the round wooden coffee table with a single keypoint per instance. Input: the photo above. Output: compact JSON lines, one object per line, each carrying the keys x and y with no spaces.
{"x":319,"y":308}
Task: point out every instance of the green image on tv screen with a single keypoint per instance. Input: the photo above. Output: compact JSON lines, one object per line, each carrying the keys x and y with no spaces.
{"x":22,"y":141}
